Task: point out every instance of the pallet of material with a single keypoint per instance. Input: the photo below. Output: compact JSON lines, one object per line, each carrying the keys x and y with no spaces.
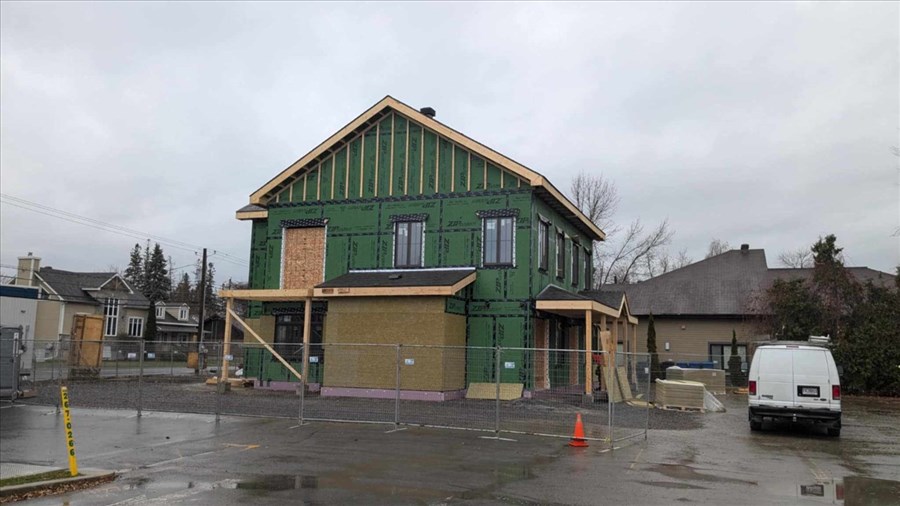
{"x":714,"y":379}
{"x":680,"y":394}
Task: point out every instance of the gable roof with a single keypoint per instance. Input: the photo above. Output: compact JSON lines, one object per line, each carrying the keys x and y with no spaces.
{"x":719,"y":285}
{"x":85,"y":286}
{"x":543,"y":187}
{"x":723,"y":285}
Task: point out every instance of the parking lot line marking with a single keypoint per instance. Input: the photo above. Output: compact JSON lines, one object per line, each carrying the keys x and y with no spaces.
{"x":636,"y":458}
{"x":398,"y":429}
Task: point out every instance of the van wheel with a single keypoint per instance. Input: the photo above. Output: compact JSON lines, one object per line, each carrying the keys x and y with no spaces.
{"x":757,"y":425}
{"x":834,"y":431}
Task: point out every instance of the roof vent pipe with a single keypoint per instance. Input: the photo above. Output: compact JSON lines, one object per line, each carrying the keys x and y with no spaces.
{"x":428,"y":111}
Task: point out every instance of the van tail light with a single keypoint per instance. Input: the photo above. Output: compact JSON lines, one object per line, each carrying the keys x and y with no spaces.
{"x":836,"y":392}
{"x":753,"y":388}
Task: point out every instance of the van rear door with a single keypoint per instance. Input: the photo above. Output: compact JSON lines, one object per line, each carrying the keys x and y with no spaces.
{"x":812,"y":387}
{"x":775,"y":383}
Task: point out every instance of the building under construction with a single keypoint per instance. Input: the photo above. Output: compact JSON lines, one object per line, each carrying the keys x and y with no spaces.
{"x":430,"y":238}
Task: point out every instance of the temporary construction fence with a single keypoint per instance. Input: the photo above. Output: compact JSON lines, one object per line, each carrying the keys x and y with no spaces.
{"x":494,"y":390}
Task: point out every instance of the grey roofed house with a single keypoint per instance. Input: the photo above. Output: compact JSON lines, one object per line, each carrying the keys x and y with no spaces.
{"x":90,"y":287}
{"x":697,"y":308}
{"x":65,"y":294}
{"x":720,"y":285}
{"x":723,"y":285}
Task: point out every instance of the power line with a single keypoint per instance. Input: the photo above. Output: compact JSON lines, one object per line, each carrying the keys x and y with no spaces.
{"x":110,"y":227}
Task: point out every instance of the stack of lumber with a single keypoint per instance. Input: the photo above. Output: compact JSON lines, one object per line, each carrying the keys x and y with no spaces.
{"x":680,"y":394}
{"x":714,"y":379}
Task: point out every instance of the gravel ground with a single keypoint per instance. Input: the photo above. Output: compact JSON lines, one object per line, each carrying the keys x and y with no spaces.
{"x":554,"y":416}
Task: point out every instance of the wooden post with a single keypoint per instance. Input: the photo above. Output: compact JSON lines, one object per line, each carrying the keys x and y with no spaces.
{"x":614,"y":346}
{"x":588,"y":355}
{"x":226,"y":345}
{"x":634,"y":350}
{"x":603,"y":346}
{"x":307,"y":325}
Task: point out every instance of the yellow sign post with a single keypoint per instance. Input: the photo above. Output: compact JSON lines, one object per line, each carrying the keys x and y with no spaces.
{"x":70,"y":440}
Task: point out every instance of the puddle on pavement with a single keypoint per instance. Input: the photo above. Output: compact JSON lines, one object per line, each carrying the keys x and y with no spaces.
{"x":685,"y":472}
{"x":672,"y":484}
{"x":276,"y":483}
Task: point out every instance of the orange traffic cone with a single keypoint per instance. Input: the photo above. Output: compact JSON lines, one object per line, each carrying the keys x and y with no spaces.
{"x":578,"y":437}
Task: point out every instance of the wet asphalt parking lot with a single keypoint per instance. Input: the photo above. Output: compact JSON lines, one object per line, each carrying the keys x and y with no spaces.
{"x":167,"y":458}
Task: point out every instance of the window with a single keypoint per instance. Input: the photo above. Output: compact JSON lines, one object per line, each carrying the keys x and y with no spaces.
{"x":588,"y":281}
{"x":576,"y":264}
{"x":160,"y":311}
{"x":560,"y":255}
{"x":543,"y":245}
{"x":408,"y":244}
{"x":135,"y":326}
{"x":720,"y":353}
{"x":498,"y":241}
{"x":183,"y":313}
{"x":289,"y":337}
{"x":111,"y":317}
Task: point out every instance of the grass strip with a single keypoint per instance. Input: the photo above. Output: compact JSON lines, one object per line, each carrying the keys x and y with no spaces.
{"x":31,"y":478}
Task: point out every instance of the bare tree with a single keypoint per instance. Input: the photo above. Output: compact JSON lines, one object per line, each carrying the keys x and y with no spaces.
{"x":597,"y":198}
{"x":624,"y":261}
{"x":661,"y":262}
{"x":800,"y":258}
{"x":633,"y":254}
{"x":717,"y":247}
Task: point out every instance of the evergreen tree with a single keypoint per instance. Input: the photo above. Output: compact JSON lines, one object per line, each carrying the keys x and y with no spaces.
{"x":651,"y":349}
{"x":134,"y":274}
{"x":150,"y":327}
{"x":834,"y":286}
{"x":213,"y":304}
{"x":734,"y":363}
{"x":158,"y":286}
{"x":183,"y":290}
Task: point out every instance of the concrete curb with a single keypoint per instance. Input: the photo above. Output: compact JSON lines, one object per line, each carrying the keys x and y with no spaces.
{"x":90,"y":477}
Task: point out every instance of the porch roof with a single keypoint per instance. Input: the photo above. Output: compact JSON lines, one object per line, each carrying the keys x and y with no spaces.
{"x":553,"y":299}
{"x":397,"y":283}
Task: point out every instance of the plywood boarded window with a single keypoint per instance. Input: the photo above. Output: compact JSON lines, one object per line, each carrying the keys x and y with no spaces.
{"x":304,"y":257}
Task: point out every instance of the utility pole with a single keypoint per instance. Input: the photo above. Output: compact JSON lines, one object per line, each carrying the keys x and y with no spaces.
{"x":202,"y":292}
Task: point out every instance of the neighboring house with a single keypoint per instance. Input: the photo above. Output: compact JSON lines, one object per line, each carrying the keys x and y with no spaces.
{"x":175,"y":323}
{"x":398,"y":229}
{"x":63,"y":294}
{"x":695,"y":308}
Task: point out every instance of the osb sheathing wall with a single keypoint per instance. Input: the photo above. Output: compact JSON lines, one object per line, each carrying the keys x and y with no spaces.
{"x":304,"y":257}
{"x":408,"y":320}
{"x":264,"y":326}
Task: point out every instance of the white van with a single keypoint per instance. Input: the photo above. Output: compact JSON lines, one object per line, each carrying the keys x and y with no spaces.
{"x":797,"y":383}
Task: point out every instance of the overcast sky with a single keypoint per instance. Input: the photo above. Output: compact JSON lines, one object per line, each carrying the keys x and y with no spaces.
{"x":760,"y":123}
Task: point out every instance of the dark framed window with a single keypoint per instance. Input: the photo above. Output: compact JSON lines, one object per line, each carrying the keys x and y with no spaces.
{"x":498,"y":241}
{"x":560,"y":255}
{"x":543,"y":245}
{"x":289,"y":336}
{"x":408,"y":244}
{"x":576,"y":263}
{"x":588,"y":280}
{"x":720,"y":353}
